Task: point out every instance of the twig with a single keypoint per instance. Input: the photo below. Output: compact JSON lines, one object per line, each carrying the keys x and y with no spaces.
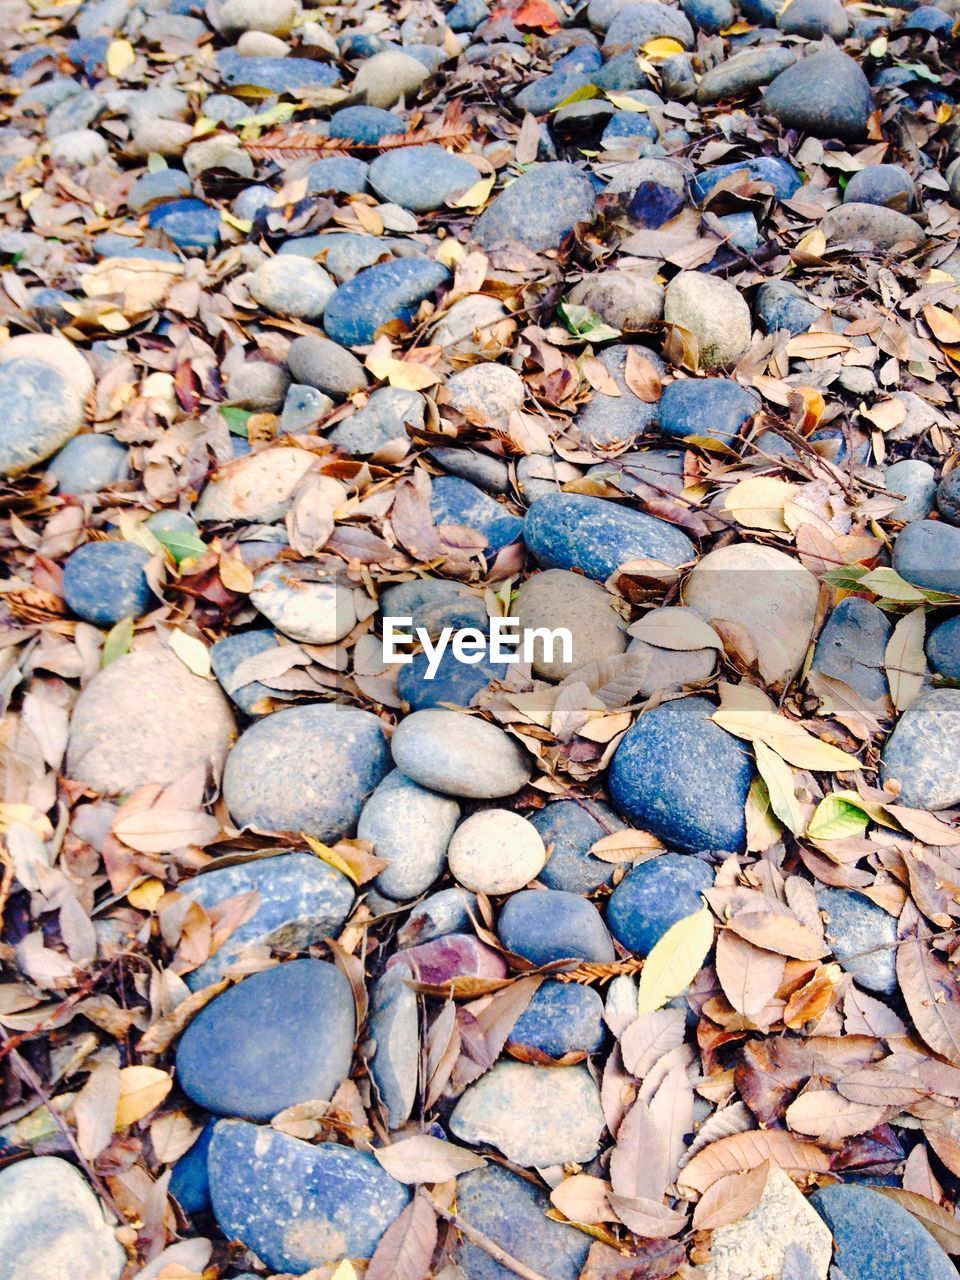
{"x":483,"y":1242}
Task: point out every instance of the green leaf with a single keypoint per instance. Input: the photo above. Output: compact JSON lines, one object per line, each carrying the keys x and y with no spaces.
{"x":836,"y":818}
{"x":181,"y":543}
{"x":586,"y":324}
{"x":118,"y":641}
{"x":847,"y":577}
{"x":155,"y":162}
{"x":675,"y":961}
{"x":236,"y":419}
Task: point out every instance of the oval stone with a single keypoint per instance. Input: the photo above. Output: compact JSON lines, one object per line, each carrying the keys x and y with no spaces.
{"x":40,"y":411}
{"x":296,"y":599}
{"x":410,"y":827}
{"x":421,"y":178}
{"x":385,"y":292}
{"x":496,"y":851}
{"x":862,"y":936}
{"x":852,"y":647}
{"x":257,"y":489}
{"x":927,"y":554}
{"x":653,"y":897}
{"x":545,"y":925}
{"x":877,"y":1239}
{"x":557,"y":598}
{"x":460,"y":755}
{"x":105,"y":581}
{"x":570,"y":829}
{"x":943,"y":648}
{"x":540,"y":208}
{"x":923,"y":752}
{"x":562,"y":1018}
{"x":87,"y":464}
{"x":393,"y":1045}
{"x":284,"y":1035}
{"x":712,"y":407}
{"x":825,"y":94}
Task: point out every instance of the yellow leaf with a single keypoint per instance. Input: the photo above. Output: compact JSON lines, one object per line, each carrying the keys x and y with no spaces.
{"x":944,"y":325}
{"x":345,"y":1271}
{"x":27,"y":816}
{"x":192,"y":652}
{"x":142,"y":1089}
{"x":407,"y":374}
{"x":878,"y":48}
{"x":120,"y":55}
{"x":330,"y":857}
{"x":243,"y":225}
{"x":452,"y":251}
{"x":27,"y":197}
{"x":475,"y":195}
{"x":787,"y":738}
{"x":235,"y":575}
{"x":758,"y":502}
{"x":662,"y":47}
{"x":623,"y":102}
{"x":780,"y":787}
{"x":145,"y":895}
{"x":737,"y":29}
{"x":936,"y":276}
{"x":943,"y":113}
{"x":813,"y":244}
{"x":675,"y":961}
{"x":137,"y":532}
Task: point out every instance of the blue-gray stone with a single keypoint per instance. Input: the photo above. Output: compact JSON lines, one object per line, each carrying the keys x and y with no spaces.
{"x":454,"y":682}
{"x":298,"y":1206}
{"x":836,"y":444}
{"x":740,"y":74}
{"x":105,"y":581}
{"x":354,"y":45}
{"x":383,"y":418}
{"x":877,"y":1239}
{"x":157,"y":188}
{"x":40,"y":411}
{"x":572,"y":830}
{"x":637,"y":23}
{"x":481,"y":469}
{"x":948,"y":496}
{"x":447,"y":911}
{"x":421,"y":178}
{"x":192,"y":225}
{"x":544,"y":925}
{"x":223,"y":108}
{"x":87,"y":464}
{"x":303,"y":408}
{"x":252,"y":202}
{"x":709,"y":15}
{"x":388,"y":291}
{"x":927,"y":554}
{"x":682,"y":777}
{"x":923,"y":752}
{"x":862,"y":936}
{"x":511,"y":1212}
{"x":777,"y":173}
{"x":562,"y":1018}
{"x":620,"y":72}
{"x":318,"y":362}
{"x":309,"y":769}
{"x":393,"y":1051}
{"x":825,"y":94}
{"x":540,"y":208}
{"x":189,"y":1181}
{"x":456,"y":501}
{"x":781,"y":305}
{"x":284,"y":1035}
{"x":459,"y":755}
{"x":279,"y":75}
{"x":616,"y":420}
{"x":408,"y":599}
{"x":852,"y":645}
{"x":640,"y":470}
{"x":713,"y":407}
{"x":227,"y":655}
{"x":637,"y":124}
{"x":814,"y":19}
{"x":652,"y":897}
{"x":928,"y":17}
{"x":345,"y":174}
{"x":466,"y":15}
{"x":916,"y":482}
{"x":343,"y":253}
{"x":572,"y":531}
{"x":762,"y":12}
{"x":302,"y":900}
{"x":47,"y":307}
{"x":410,"y":827}
{"x":90,"y":54}
{"x":543,"y":95}
{"x":365,"y":124}
{"x":886,"y":184}
{"x":943,"y":648}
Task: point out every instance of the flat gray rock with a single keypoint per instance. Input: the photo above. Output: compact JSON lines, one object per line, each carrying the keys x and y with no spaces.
{"x":460,"y":755}
{"x":411,"y":827}
{"x":40,"y":411}
{"x":923,"y":752}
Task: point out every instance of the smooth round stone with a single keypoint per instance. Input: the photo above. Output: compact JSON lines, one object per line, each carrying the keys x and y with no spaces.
{"x":770,"y":170}
{"x":767,"y":593}
{"x":930,"y":17}
{"x":411,"y":827}
{"x":709,"y":15}
{"x":40,"y":411}
{"x":485,"y":391}
{"x":948,"y":496}
{"x":627,"y":300}
{"x":669,"y":669}
{"x":781,"y":305}
{"x":546,"y":93}
{"x":536,"y":1116}
{"x":652,"y":897}
{"x":421,"y":178}
{"x":511,"y":1212}
{"x":291,"y":286}
{"x":192,"y":225}
{"x":886,"y":184}
{"x":562,"y":1018}
{"x":540,"y":208}
{"x":318,"y":362}
{"x":714,"y":311}
{"x":256,"y":489}
{"x":389,"y":77}
{"x":365,"y":124}
{"x":852,"y":647}
{"x":570,"y":830}
{"x":923,"y":752}
{"x":386,"y":416}
{"x":467,"y":14}
{"x":259,"y":44}
{"x":393,"y":1042}
{"x":226,"y":658}
{"x":825,"y":94}
{"x":79,"y":148}
{"x":295,"y":1204}
{"x":855,"y":928}
{"x":814,"y":19}
{"x":744,"y":72}
{"x":306,"y":769}
{"x":87,"y":464}
{"x":284,"y":1035}
{"x":447,"y":911}
{"x":385,"y":292}
{"x":53,"y":1226}
{"x":301,"y":900}
{"x":460,"y":755}
{"x":870,"y":226}
{"x":316,"y":612}
{"x":877,"y":1239}
{"x":635,"y":24}
{"x":480,"y":469}
{"x":453,"y":682}
{"x":496,"y":851}
{"x":257,"y":384}
{"x":189,"y":1183}
{"x":449,"y":958}
{"x":617,"y":420}
{"x":713,"y":407}
{"x":456,"y":501}
{"x":105,"y":581}
{"x":572,"y":531}
{"x":275,"y":17}
{"x":557,"y":598}
{"x":343,"y":174}
{"x":278,"y":75}
{"x":546,"y":925}
{"x":680,"y":776}
{"x":943,"y":648}
{"x":470,"y":323}
{"x":54,"y":350}
{"x":927,"y":554}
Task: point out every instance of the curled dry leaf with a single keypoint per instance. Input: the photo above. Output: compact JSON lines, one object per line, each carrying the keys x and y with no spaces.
{"x":142,"y":1089}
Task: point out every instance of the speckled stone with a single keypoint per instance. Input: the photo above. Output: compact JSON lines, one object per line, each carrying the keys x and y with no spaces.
{"x":456,"y":501}
{"x":40,"y":411}
{"x":228,"y":655}
{"x":627,"y":300}
{"x":387,"y":291}
{"x":635,"y":24}
{"x":411,"y":827}
{"x":943,"y":648}
{"x":301,"y":604}
{"x":291,"y":286}
{"x":654,"y":896}
{"x":52,"y":1225}
{"x":759,"y":1243}
{"x":486,"y":472}
{"x":712,"y":407}
{"x":814,"y":19}
{"x":742,"y":73}
{"x":927,"y":554}
{"x":557,"y":598}
{"x":544,"y":925}
{"x":562,"y":1018}
{"x":444,"y":912}
{"x":421,"y":178}
{"x":257,"y":489}
{"x":365,"y":124}
{"x":192,"y":225}
{"x":572,"y":830}
{"x":536,"y":1116}
{"x":825,"y":94}
{"x":393,"y":1046}
{"x":572,"y":531}
{"x":318,"y":362}
{"x":714,"y":311}
{"x":279,"y":75}
{"x":852,"y":647}
{"x":343,"y":174}
{"x":460,"y":755}
{"x":682,"y":777}
{"x":301,"y":901}
{"x":540,"y":208}
{"x":257,"y":384}
{"x":284,"y":1035}
{"x":389,"y":77}
{"x":485,"y":391}
{"x":877,"y":1239}
{"x":87,"y":464}
{"x":617,"y":420}
{"x":147,"y":718}
{"x":870,"y":226}
{"x":495,"y":851}
{"x":886,"y":184}
{"x":781,"y":305}
{"x":306,"y":769}
{"x":923,"y":752}
{"x":855,"y":927}
{"x":298,"y":1205}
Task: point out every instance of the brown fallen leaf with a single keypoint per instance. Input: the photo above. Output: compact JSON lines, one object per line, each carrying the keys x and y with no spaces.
{"x":730,"y":1198}
{"x":749,"y":1150}
{"x":405,"y":1251}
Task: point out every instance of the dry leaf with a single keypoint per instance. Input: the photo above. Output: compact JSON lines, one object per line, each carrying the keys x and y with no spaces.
{"x":142,"y":1089}
{"x":423,"y":1158}
{"x":675,"y":961}
{"x":731,"y":1198}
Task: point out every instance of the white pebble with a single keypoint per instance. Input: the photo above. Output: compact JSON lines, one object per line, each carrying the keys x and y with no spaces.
{"x":496,"y":851}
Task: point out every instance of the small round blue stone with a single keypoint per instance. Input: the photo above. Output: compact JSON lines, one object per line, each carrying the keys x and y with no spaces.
{"x":104,"y":582}
{"x":653,"y":897}
{"x":388,"y":291}
{"x":544,"y":925}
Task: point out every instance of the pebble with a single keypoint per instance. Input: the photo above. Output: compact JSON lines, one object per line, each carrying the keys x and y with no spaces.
{"x":309,"y":768}
{"x":852,"y":646}
{"x":385,"y":417}
{"x":444,"y":912}
{"x":653,"y":896}
{"x":291,"y":286}
{"x":318,"y":362}
{"x":257,"y":384}
{"x":948,"y":496}
{"x":825,"y":94}
{"x":471,"y":323}
{"x":814,"y":19}
{"x":870,"y":226}
{"x":767,"y":593}
{"x":453,"y":682}
{"x":296,"y":599}
{"x":87,"y":464}
{"x":411,"y":827}
{"x":669,"y":669}
{"x":227,"y":656}
{"x":421,"y":179}
{"x":485,"y":392}
{"x":105,"y":581}
{"x":923,"y":752}
{"x":365,"y":124}
{"x":562,"y":1018}
{"x":79,"y":147}
{"x":711,"y":16}
{"x":781,"y":305}
{"x":769,"y":170}
{"x":449,"y":958}
{"x":40,"y":411}
{"x":627,"y":300}
{"x":388,"y":78}
{"x":569,"y":530}
{"x":855,"y":928}
{"x":884,"y":184}
{"x":303,"y":408}
{"x":394,"y":1043}
{"x":618,"y":420}
{"x":282,"y":1036}
{"x":927,"y":554}
{"x":535,"y":1116}
{"x":943,"y":648}
{"x":54,"y":351}
{"x":277,"y":75}
{"x":716,"y":408}
{"x":147,"y":718}
{"x":258,"y":488}
{"x":714,"y":312}
{"x":740,"y":74}
{"x":189,"y":1183}
{"x":569,"y":830}
{"x":546,"y":925}
{"x":511,"y":1211}
{"x":258,"y":44}
{"x":683,"y":778}
{"x":877,"y":1239}
{"x":460,"y":755}
{"x":275,"y":17}
{"x":342,"y":174}
{"x":539,"y":209}
{"x":480,"y":469}
{"x":455,"y":501}
{"x":557,"y":598}
{"x":52,"y":1225}
{"x":635,"y":24}
{"x":760,"y":1242}
{"x":379,"y":294}
{"x":295,"y":1204}
{"x":192,"y":225}
{"x":496,"y":851}
{"x":301,"y":901}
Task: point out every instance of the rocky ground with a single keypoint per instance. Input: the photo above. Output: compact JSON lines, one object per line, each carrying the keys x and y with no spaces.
{"x":624,"y":964}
